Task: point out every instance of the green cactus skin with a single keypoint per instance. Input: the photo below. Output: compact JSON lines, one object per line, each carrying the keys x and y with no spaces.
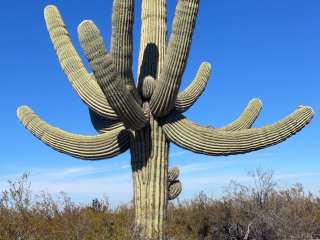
{"x":175,"y":189}
{"x":81,"y":81}
{"x":147,"y":118}
{"x":216,"y":142}
{"x":121,"y":44}
{"x":118,"y":95}
{"x":173,"y":174}
{"x":149,"y":150}
{"x":165,"y":94}
{"x":103,"y":146}
{"x":153,"y":40}
{"x":174,"y":185}
{"x":103,"y":125}
{"x":148,"y":86}
{"x":247,"y":117}
{"x":191,"y":94}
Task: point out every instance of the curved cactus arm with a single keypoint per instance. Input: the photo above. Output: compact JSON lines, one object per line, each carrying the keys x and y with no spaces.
{"x":121,"y":41}
{"x":165,"y":94}
{"x":104,"y":125}
{"x":206,"y":140}
{"x":117,"y":93}
{"x":191,"y":94}
{"x":174,"y":190}
{"x":247,"y":117}
{"x":89,"y":91}
{"x":102,"y":146}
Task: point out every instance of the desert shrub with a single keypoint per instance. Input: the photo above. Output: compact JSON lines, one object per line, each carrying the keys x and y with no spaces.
{"x":260,"y":211}
{"x":44,"y":217}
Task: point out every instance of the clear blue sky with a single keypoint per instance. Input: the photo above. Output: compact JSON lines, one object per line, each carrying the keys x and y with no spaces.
{"x":266,"y":49}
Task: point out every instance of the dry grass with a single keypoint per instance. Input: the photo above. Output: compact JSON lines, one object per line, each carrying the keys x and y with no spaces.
{"x":260,"y":212}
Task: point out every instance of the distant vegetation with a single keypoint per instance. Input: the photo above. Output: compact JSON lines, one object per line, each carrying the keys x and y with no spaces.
{"x":262,"y":211}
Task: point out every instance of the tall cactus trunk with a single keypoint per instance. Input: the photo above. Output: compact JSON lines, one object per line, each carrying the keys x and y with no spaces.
{"x":121,"y":114}
{"x":149,"y":151}
{"x":150,"y":147}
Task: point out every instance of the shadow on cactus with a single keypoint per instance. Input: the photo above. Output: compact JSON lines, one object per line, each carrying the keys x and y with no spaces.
{"x":146,"y":117}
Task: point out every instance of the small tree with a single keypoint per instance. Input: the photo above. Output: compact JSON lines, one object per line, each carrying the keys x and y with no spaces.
{"x":147,"y":117}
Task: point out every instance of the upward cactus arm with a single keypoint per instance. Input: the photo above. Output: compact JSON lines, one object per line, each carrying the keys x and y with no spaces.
{"x":165,"y":94}
{"x":247,"y":117}
{"x":215,"y":142}
{"x":121,"y":48}
{"x":102,"y":146}
{"x":80,"y":79}
{"x":117,"y":93}
{"x":191,"y":94}
{"x":153,"y":40}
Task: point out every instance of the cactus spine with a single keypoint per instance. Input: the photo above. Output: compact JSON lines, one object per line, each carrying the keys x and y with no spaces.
{"x":146,"y":118}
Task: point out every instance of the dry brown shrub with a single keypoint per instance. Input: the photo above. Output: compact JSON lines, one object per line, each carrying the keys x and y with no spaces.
{"x":262,"y":211}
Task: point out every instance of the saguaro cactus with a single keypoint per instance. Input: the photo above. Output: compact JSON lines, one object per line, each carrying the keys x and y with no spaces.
{"x":147,"y":117}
